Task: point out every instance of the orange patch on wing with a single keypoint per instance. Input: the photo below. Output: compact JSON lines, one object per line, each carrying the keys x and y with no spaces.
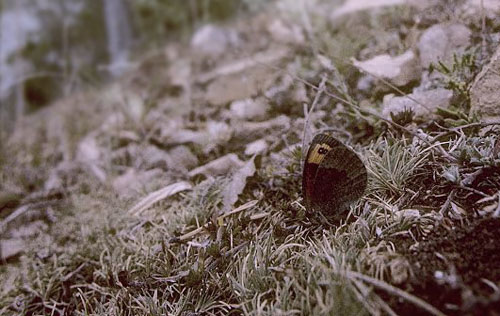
{"x":318,"y":153}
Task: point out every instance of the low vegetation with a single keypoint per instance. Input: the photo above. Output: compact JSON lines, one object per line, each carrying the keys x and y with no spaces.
{"x":431,"y":180}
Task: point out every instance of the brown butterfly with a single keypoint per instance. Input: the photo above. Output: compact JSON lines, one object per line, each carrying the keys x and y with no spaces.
{"x":333,"y":178}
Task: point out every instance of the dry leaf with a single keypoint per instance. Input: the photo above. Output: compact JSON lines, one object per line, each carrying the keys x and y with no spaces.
{"x":237,"y":184}
{"x":219,"y":166}
{"x":159,"y":195}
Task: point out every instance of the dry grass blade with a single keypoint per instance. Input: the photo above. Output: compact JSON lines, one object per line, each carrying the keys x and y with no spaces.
{"x":394,"y":290}
{"x":220,"y":219}
{"x":159,"y":195}
{"x":305,"y":135}
{"x":18,"y":212}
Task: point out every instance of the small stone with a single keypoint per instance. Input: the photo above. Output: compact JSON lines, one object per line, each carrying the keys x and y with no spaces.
{"x":91,"y":155}
{"x":219,"y":166}
{"x":182,"y":158}
{"x":133,"y":182}
{"x":88,"y":150}
{"x":279,"y":122}
{"x":209,"y":136}
{"x":248,"y":109}
{"x":485,"y":91}
{"x":244,"y":78}
{"x":257,"y":147}
{"x":400,"y":70}
{"x":240,"y":86}
{"x":287,"y":34}
{"x":491,"y":8}
{"x":213,"y":41}
{"x":365,"y":83}
{"x":352,"y":6}
{"x":441,"y":41}
{"x":152,"y":157}
{"x":11,"y":247}
{"x":126,"y":137}
{"x":422,"y":103}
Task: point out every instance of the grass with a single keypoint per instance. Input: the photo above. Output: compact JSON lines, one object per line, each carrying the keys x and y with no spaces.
{"x":103,"y":262}
{"x":269,"y":259}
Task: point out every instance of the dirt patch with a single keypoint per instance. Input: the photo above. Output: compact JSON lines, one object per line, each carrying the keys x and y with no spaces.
{"x":450,"y":268}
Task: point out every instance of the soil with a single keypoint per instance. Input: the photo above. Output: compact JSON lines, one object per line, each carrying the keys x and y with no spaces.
{"x":450,"y":268}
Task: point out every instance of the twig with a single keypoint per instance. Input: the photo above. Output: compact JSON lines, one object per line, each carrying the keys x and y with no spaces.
{"x":23,"y":209}
{"x":219,"y":220}
{"x":18,"y":212}
{"x":308,"y":114}
{"x":460,"y":128}
{"x":472,"y":190}
{"x":447,"y":203}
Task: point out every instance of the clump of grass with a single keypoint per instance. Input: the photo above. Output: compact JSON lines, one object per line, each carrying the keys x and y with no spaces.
{"x":459,"y":75}
{"x":103,"y":262}
{"x":392,"y":163}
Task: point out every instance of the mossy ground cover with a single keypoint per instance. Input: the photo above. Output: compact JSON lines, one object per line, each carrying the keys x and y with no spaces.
{"x":421,"y":240}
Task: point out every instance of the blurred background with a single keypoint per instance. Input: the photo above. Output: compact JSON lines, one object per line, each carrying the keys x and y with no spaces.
{"x":51,"y":48}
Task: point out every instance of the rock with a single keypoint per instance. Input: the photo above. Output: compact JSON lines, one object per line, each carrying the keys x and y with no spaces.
{"x":211,"y":135}
{"x":152,"y":157}
{"x":245,"y":128}
{"x":91,"y":155}
{"x":88,"y":150}
{"x":365,"y":83}
{"x":218,"y":133}
{"x":352,"y":6}
{"x":183,"y":136}
{"x":182,"y":158}
{"x":491,"y":8}
{"x":287,"y":34}
{"x":125,"y":137}
{"x":241,"y":85}
{"x":179,"y":73}
{"x":288,"y":95}
{"x":211,"y":40}
{"x":257,"y":147}
{"x":243,"y":78}
{"x":399,"y":70}
{"x":133,"y":182}
{"x":441,"y":41}
{"x":11,"y":247}
{"x":219,"y":166}
{"x":485,"y":91}
{"x":248,"y":109}
{"x":427,"y":102}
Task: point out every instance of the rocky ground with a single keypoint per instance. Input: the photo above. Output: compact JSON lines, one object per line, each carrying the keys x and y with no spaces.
{"x":101,"y":190}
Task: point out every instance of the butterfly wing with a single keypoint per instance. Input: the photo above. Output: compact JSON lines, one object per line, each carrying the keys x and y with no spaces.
{"x":334,"y":176}
{"x":320,"y":146}
{"x":340,"y":180}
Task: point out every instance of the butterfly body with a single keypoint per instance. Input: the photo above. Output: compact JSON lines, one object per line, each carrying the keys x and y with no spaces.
{"x":333,"y":178}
